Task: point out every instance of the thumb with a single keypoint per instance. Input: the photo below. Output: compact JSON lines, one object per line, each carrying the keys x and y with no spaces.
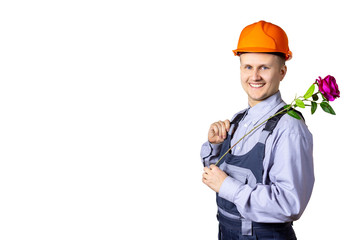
{"x":213,"y":167}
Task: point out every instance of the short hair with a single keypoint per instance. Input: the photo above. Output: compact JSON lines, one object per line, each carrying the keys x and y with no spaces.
{"x":282,"y":57}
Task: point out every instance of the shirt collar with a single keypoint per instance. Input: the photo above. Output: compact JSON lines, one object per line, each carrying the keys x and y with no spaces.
{"x":264,"y":107}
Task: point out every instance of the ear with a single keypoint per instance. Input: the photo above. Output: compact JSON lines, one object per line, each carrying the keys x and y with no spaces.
{"x":283,"y":71}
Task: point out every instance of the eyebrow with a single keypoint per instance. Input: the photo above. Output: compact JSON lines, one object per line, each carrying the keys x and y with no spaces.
{"x":262,"y":65}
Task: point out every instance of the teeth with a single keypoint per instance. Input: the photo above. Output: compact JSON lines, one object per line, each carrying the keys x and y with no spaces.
{"x":258,"y":85}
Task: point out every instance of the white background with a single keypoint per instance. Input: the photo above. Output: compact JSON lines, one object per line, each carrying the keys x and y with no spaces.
{"x":104,"y":106}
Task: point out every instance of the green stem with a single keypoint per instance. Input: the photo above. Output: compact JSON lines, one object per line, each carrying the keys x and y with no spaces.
{"x":286,"y":109}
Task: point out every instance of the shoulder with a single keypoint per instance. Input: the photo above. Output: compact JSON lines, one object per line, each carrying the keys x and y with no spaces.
{"x":288,"y":125}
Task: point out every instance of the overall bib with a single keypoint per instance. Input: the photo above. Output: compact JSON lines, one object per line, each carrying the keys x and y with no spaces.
{"x":248,"y":169}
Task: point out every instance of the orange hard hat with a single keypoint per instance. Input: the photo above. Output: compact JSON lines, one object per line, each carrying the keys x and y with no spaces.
{"x":263,"y":37}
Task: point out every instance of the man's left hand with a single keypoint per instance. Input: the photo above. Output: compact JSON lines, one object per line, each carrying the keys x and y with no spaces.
{"x":213,"y":177}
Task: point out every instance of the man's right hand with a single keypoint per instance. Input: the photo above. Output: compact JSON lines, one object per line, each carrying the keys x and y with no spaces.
{"x":218,"y":131}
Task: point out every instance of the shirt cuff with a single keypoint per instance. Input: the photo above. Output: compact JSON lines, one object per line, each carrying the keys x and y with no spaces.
{"x":208,"y":149}
{"x":229,"y":188}
{"x":216,"y":148}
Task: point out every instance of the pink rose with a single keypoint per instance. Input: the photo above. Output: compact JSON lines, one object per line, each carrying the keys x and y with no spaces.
{"x":328,"y":87}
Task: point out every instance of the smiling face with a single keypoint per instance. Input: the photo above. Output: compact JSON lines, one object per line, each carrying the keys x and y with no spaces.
{"x":261,"y":74}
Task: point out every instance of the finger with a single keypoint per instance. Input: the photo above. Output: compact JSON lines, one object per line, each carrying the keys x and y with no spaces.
{"x":204,"y":176}
{"x":219,"y":128}
{"x":215,"y":129}
{"x":206,"y":170}
{"x":227,"y":125}
{"x":223,"y":130}
{"x":203,"y":180}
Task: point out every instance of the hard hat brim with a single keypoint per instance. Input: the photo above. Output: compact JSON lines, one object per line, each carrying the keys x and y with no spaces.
{"x":288,"y":54}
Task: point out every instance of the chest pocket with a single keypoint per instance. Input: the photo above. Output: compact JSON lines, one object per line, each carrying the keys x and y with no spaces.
{"x":243,"y":175}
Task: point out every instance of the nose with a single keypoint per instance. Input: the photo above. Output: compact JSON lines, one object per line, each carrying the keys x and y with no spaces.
{"x":255,"y":75}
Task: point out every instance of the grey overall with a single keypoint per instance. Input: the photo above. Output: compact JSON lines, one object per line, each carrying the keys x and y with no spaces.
{"x":248,"y":169}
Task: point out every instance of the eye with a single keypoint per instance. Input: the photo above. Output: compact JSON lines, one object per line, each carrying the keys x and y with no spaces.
{"x":264,"y":68}
{"x":247,"y":67}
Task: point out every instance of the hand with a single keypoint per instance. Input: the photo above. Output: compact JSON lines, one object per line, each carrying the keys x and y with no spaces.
{"x":213,"y":177}
{"x":218,"y":131}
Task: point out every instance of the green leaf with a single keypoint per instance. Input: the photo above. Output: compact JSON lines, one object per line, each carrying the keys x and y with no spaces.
{"x":286,"y":106}
{"x":313,"y":107}
{"x":300,"y":103}
{"x":310,"y":91}
{"x":293,"y":114}
{"x":327,"y":108}
{"x":315,"y":97}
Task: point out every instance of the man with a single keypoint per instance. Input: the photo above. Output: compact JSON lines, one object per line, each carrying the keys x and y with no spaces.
{"x":265,"y":182}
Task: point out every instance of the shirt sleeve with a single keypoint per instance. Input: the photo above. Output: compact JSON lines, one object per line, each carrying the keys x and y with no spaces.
{"x":210,"y":153}
{"x":291,"y":177}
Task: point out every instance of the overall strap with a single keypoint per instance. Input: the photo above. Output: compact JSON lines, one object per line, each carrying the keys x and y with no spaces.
{"x":235,"y":122}
{"x":238,"y":117}
{"x":271,"y":124}
{"x":233,"y":126}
